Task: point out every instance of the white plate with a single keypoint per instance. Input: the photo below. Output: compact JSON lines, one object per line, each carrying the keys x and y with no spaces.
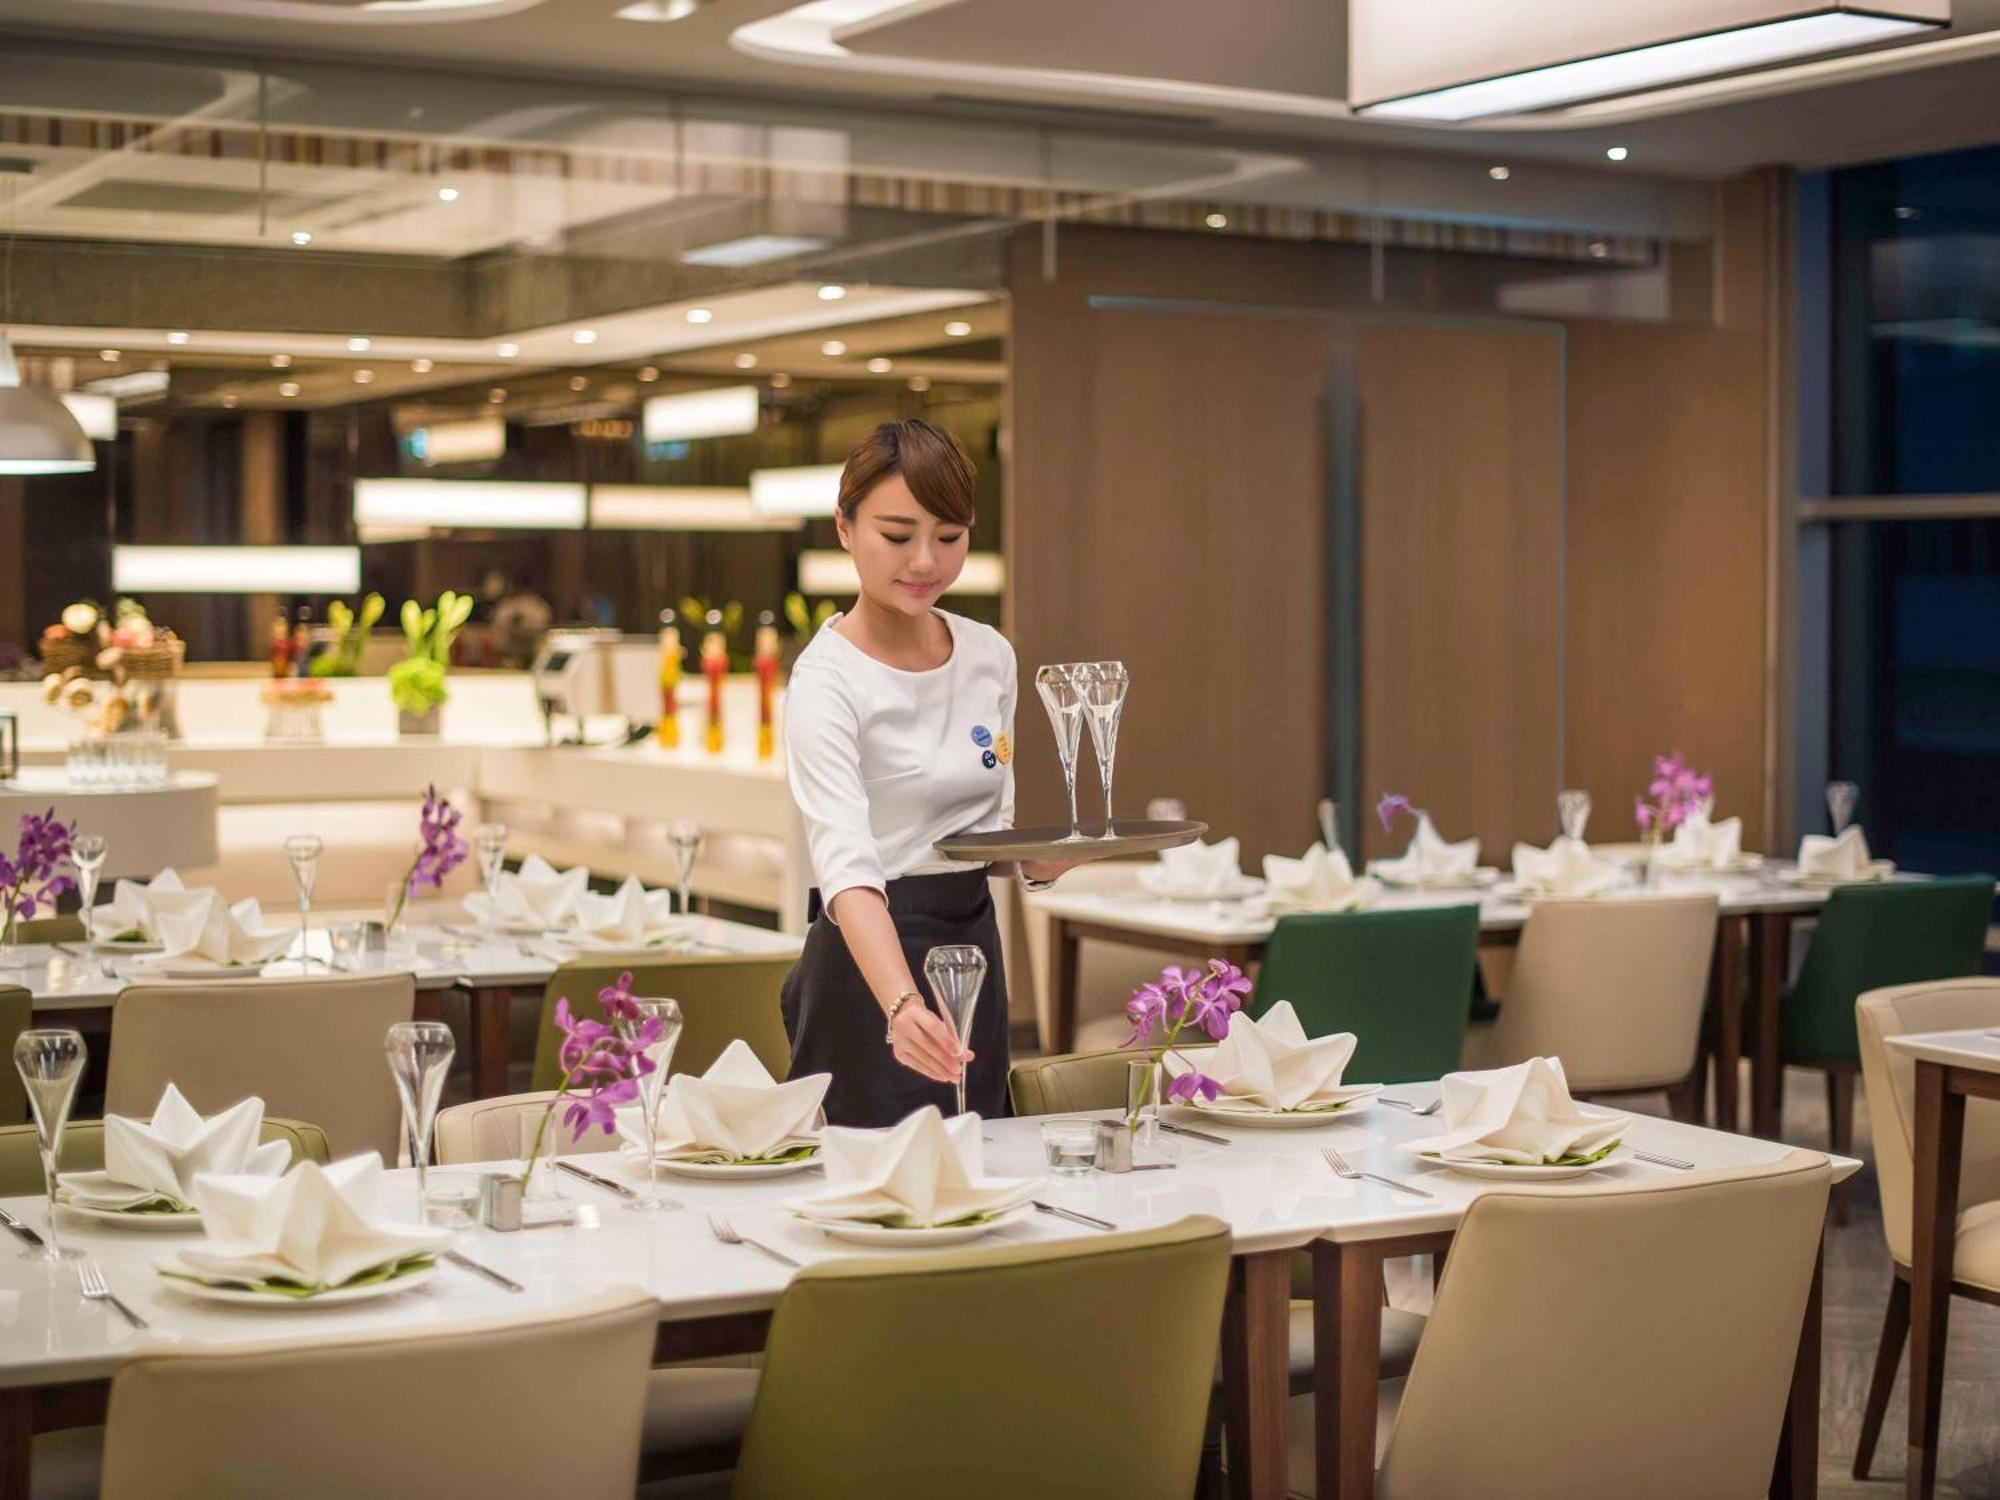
{"x":1878,"y":870}
{"x":106,"y":945}
{"x":728,"y":1170}
{"x":1495,"y":1171}
{"x":1287,"y":1119}
{"x":154,"y":1223}
{"x":1741,"y":864}
{"x":198,"y":968}
{"x":242,"y":1296}
{"x":1482,"y":876}
{"x":1238,"y":889}
{"x":912,"y":1239}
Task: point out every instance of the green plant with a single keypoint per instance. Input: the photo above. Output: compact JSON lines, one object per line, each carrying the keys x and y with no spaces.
{"x":350,"y":637}
{"x":694,"y":625}
{"x":806,"y":622}
{"x":416,"y":683}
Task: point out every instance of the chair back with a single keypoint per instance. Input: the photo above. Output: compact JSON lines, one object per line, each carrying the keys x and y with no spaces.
{"x":49,"y":930}
{"x":1890,"y":1078}
{"x":17,"y":1014}
{"x":83,"y":1150}
{"x":547,"y":1404}
{"x":1873,"y":936}
{"x":1545,"y":1299}
{"x":1401,"y":981}
{"x":490,"y":1130}
{"x":1072,"y":1082}
{"x":1079,"y":1365}
{"x":310,"y":1048}
{"x":721,"y":998}
{"x":1613,"y":988}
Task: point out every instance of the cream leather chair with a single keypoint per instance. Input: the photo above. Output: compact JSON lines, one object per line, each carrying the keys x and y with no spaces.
{"x":311,"y":1048}
{"x":543,"y":1405}
{"x":1635,"y":1342}
{"x":1613,"y":988}
{"x":1891,"y":1081}
{"x":490,"y":1130}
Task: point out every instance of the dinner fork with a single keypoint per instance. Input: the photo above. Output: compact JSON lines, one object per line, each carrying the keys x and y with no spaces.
{"x":1660,"y":1160}
{"x":1339,"y":1164}
{"x":725,"y":1231}
{"x":1416,"y":1109}
{"x":90,"y":1281}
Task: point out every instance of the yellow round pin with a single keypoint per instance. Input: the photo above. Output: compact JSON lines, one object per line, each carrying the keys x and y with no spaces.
{"x":1003,"y":748}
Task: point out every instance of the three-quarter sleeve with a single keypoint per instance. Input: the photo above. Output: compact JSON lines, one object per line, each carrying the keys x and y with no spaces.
{"x":823,"y":763}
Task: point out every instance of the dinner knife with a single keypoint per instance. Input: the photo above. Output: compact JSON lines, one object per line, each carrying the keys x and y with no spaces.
{"x":1074,"y":1217}
{"x":467,"y":1263}
{"x":591,"y":1177}
{"x":21,"y":1230}
{"x":1195,"y":1135}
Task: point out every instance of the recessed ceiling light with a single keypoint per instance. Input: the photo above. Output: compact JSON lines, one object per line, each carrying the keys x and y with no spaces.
{"x":754,"y":249}
{"x":700,"y":315}
{"x":363,"y":377}
{"x":780,"y":380}
{"x":497,"y":394}
{"x":833,"y":348}
{"x":1904,"y":211}
{"x":1499,"y":174}
{"x":833,"y":291}
{"x":447,"y":195}
{"x":302,"y":237}
{"x":281,"y":361}
{"x":1599,"y":249}
{"x":422,"y":366}
{"x":359,"y":345}
{"x":658,"y":10}
{"x":289,"y":388}
{"x":746,"y":361}
{"x":177,"y":337}
{"x":1217,"y":221}
{"x":920,"y":383}
{"x":648,"y":374}
{"x":578,"y":382}
{"x":508,"y":351}
{"x":109,"y":356}
{"x":956,"y":329}
{"x":1616,"y":153}
{"x":228,"y":400}
{"x":880,"y":366}
{"x":584,"y":336}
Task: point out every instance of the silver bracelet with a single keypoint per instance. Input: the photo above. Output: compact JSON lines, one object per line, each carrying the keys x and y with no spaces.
{"x":895,"y":1008}
{"x":1032,"y":885}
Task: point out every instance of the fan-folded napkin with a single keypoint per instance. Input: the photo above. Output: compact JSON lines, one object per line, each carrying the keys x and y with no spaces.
{"x":223,"y":934}
{"x":137,"y":906}
{"x":1521,"y":1115}
{"x":733,"y":1111}
{"x":1319,"y":880}
{"x":631,"y":915}
{"x":536,"y":895}
{"x":924,"y":1173}
{"x":1844,"y":857}
{"x":1430,"y":858}
{"x":1699,"y":844}
{"x":1565,"y":868}
{"x":1270,"y":1063}
{"x":1195,"y":870}
{"x":154,"y":1162}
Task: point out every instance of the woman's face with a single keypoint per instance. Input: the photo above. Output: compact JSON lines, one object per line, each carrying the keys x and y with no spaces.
{"x":905,"y":555}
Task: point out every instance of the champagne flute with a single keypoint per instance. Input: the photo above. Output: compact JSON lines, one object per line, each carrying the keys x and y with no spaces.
{"x":490,"y":840}
{"x":50,"y":1062}
{"x":1103,"y":685}
{"x":1840,"y":799}
{"x":956,"y":974}
{"x":1329,"y":824}
{"x":420,"y":1055}
{"x":686,"y":839}
{"x":651,"y":1085}
{"x":86,"y":853}
{"x":1573,"y":813}
{"x":1057,"y":687}
{"x":304,"y":850}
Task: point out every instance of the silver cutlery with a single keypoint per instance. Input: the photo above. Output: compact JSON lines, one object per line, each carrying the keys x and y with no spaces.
{"x":19,"y":1230}
{"x":72,"y":952}
{"x":1339,"y":1164}
{"x":1663,"y":1161}
{"x":1419,"y":1110}
{"x":90,"y":1281}
{"x":467,"y":1263}
{"x":591,"y":1177}
{"x":725,"y":1231}
{"x":1195,"y":1135}
{"x":1073,"y":1216}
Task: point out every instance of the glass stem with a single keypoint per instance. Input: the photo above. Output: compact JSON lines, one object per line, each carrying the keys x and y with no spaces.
{"x":48,"y":1155}
{"x":1069,"y":782}
{"x":1106,"y":778}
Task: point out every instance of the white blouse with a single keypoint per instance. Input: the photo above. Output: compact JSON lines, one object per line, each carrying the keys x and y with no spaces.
{"x":885,"y":762}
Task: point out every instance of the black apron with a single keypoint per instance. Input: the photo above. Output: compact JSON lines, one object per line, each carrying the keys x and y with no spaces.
{"x":836,"y":1027}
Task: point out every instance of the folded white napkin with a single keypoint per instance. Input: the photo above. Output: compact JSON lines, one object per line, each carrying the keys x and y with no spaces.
{"x":733,"y":1111}
{"x":536,"y":895}
{"x":1844,"y":857}
{"x":223,"y":934}
{"x":1430,"y":859}
{"x":1317,"y":881}
{"x":1196,"y":870}
{"x":315,"y":1226}
{"x":152,"y":1163}
{"x":922,"y":1174}
{"x":1522,"y":1115}
{"x":137,"y":906}
{"x":1270,"y":1063}
{"x":1699,"y":844}
{"x":1565,"y":868}
{"x":632,"y":916}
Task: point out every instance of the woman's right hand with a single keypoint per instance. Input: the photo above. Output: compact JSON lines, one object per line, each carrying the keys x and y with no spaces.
{"x":924,"y":1044}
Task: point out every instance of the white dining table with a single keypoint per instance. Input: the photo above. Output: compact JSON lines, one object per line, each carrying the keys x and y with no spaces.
{"x":1273,"y":1189}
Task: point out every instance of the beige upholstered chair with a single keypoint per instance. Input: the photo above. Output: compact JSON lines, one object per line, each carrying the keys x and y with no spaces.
{"x":543,"y":1405}
{"x":1890,"y":1079}
{"x":311,"y":1048}
{"x":1635,"y":1342}
{"x":1613,"y":988}
{"x":490,"y":1130}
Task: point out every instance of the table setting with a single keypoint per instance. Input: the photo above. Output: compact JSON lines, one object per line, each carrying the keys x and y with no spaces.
{"x":151,"y":1165}
{"x":921,"y":1183}
{"x":732,"y":1122}
{"x":1431,"y":862}
{"x":1269,"y":1074}
{"x":1519,"y":1123}
{"x":1567,"y":869}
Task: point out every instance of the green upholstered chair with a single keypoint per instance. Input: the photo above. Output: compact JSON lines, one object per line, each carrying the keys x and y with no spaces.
{"x":869,"y":1360}
{"x":83,"y":1150}
{"x":1870,"y":937}
{"x":1072,"y":1082}
{"x":17,"y":1014}
{"x":50,"y":930}
{"x":721,"y":998}
{"x":1401,"y":981}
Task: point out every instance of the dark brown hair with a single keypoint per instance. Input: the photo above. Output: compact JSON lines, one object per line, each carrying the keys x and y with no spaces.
{"x":930,"y":460}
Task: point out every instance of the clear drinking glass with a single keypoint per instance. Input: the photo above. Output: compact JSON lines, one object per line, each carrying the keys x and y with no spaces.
{"x":1840,"y":799}
{"x":420,"y":1055}
{"x":489,"y":840}
{"x":50,"y":1062}
{"x":1103,"y":685}
{"x":343,"y":941}
{"x":686,"y":839}
{"x":86,"y":852}
{"x":1070,"y":1146}
{"x":1063,"y":698}
{"x":956,"y":974}
{"x":651,"y":1085}
{"x":304,"y":850}
{"x":1573,"y":813}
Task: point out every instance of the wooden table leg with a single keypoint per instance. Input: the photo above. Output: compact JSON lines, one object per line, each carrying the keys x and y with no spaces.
{"x":1770,"y":947}
{"x":17,"y":1443}
{"x":1726,"y":996}
{"x":1255,"y":1355}
{"x":1347,"y":1341}
{"x":1062,"y":1002}
{"x":489,"y":1011}
{"x":1940,"y":1144}
{"x":1796,"y":1475}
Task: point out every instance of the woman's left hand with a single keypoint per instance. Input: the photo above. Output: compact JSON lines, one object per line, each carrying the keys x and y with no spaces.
{"x":1048,"y":869}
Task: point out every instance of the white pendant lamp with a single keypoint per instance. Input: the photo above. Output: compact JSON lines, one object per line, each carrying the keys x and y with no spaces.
{"x":38,"y":435}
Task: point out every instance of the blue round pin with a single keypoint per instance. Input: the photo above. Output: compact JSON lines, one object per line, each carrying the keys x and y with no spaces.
{"x":981,"y":736}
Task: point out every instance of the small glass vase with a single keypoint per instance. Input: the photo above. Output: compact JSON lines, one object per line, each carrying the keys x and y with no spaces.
{"x":13,"y":953}
{"x":1144,"y":1079}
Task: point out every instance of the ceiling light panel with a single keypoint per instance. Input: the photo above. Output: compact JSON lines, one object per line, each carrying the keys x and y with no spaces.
{"x":236,"y":570}
{"x":810,"y":490}
{"x":722,"y":412}
{"x":663,"y":507}
{"x":476,"y":503}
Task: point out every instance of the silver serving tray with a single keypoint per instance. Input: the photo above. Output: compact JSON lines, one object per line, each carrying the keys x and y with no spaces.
{"x":1128,"y":836}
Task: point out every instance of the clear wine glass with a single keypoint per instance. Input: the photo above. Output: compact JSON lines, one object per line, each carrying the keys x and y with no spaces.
{"x":957,"y":973}
{"x":1103,"y":685}
{"x":686,"y":839}
{"x":489,"y":840}
{"x":651,"y":1085}
{"x":1063,"y":698}
{"x":1573,"y":813}
{"x":1329,"y":824}
{"x":50,"y":1062}
{"x":86,"y":852}
{"x":420,"y":1055}
{"x":1840,"y":799}
{"x":304,"y":850}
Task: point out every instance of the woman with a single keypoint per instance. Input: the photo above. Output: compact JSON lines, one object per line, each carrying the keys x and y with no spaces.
{"x":898,"y":732}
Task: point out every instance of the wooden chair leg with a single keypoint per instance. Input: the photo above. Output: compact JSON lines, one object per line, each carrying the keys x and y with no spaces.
{"x":1840,"y":1127}
{"x":1888,"y":1355}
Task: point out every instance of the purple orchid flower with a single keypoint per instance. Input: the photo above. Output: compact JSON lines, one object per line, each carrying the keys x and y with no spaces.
{"x":1675,"y":794}
{"x":1391,"y":804}
{"x":1182,"y":998}
{"x":606,"y":1059}
{"x":29,"y":881}
{"x":1186,"y":1086}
